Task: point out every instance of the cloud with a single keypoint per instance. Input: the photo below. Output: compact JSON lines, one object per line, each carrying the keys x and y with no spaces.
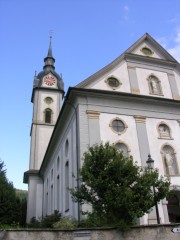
{"x":125,"y":16}
{"x":175,"y":50}
{"x":171,"y":44}
{"x":163,"y":41}
{"x":126,"y":8}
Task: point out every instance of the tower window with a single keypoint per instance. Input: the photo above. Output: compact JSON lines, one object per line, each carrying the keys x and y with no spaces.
{"x":48,"y":100}
{"x":48,"y":115}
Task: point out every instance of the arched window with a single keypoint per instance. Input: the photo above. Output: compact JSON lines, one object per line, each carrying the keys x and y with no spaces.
{"x":173,"y":208}
{"x":169,"y":160}
{"x":67,"y":186}
{"x":66,"y":148}
{"x":164,"y":131}
{"x":51,"y":174}
{"x":154,"y":85}
{"x":48,"y":115}
{"x":123,"y":148}
{"x":58,"y":164}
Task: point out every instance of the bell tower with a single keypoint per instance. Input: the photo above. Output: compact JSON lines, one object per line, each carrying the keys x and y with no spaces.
{"x":47,"y":95}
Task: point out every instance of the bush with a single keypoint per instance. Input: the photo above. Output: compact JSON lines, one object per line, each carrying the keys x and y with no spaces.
{"x":46,"y":222}
{"x":66,"y":223}
{"x":34,"y":223}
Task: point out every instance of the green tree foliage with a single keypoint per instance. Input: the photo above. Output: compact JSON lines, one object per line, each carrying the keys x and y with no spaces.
{"x":118,"y":190}
{"x":12,"y":210}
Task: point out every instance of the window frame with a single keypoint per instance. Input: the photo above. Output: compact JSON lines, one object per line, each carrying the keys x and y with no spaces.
{"x":160,"y":136}
{"x":118,"y":119}
{"x":45,"y":115}
{"x":158,"y":84}
{"x":113,"y":87}
{"x":166,"y":173}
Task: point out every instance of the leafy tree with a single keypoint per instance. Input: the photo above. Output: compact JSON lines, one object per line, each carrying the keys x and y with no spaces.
{"x":118,"y":190}
{"x":11,"y":207}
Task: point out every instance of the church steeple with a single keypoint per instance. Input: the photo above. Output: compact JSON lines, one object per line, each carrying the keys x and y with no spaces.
{"x":49,"y":60}
{"x":48,"y":68}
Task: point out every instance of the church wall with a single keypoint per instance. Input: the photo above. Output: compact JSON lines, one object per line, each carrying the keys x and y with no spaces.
{"x":43,"y":133}
{"x":129,"y":137}
{"x":65,"y":154}
{"x":121,"y":73}
{"x":143,"y":74}
{"x":155,"y":140}
{"x":177,"y":78}
{"x":54,"y":106}
{"x":156,"y":54}
{"x":148,"y":116}
{"x":34,"y":200}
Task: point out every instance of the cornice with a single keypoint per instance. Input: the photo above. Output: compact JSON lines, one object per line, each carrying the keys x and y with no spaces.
{"x":140,"y":119}
{"x":139,"y":59}
{"x":92,"y":114}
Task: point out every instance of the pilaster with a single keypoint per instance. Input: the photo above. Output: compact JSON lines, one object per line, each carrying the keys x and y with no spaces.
{"x":94,"y":128}
{"x":173,"y":85}
{"x":133,"y":80}
{"x":142,"y":138}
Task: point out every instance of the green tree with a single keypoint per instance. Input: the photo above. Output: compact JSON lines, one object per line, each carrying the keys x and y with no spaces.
{"x":11,"y":207}
{"x":118,"y":190}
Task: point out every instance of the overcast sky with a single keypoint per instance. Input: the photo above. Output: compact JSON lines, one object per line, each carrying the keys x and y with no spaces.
{"x":87,"y":35}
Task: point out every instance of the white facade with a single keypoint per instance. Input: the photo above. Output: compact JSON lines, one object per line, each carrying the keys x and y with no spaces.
{"x":134,"y":103}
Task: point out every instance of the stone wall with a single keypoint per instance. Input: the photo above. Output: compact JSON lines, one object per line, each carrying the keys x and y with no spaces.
{"x":153,"y":232}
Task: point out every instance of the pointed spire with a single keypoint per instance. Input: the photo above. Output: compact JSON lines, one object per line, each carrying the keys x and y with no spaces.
{"x":50,"y":48}
{"x":49,"y":60}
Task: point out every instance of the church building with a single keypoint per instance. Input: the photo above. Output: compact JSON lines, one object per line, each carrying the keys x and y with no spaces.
{"x":133,"y":103}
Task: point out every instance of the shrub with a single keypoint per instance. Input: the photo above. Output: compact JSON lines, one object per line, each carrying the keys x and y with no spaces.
{"x":46,"y":222}
{"x":49,"y":220}
{"x":66,"y":223}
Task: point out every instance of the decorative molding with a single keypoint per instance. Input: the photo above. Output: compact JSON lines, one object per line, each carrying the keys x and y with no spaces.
{"x":113,"y":87}
{"x":135,"y":90}
{"x":170,"y":74}
{"x":178,"y":122}
{"x":131,"y":67}
{"x":177,"y":97}
{"x":92,"y":114}
{"x":140,"y":119}
{"x":161,"y":135}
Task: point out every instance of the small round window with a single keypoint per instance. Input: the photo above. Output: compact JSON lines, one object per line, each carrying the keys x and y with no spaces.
{"x":147,"y":51}
{"x":118,"y":126}
{"x":48,"y":100}
{"x":113,"y":82}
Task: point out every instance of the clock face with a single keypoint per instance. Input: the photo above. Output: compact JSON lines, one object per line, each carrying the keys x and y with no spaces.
{"x":49,"y":80}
